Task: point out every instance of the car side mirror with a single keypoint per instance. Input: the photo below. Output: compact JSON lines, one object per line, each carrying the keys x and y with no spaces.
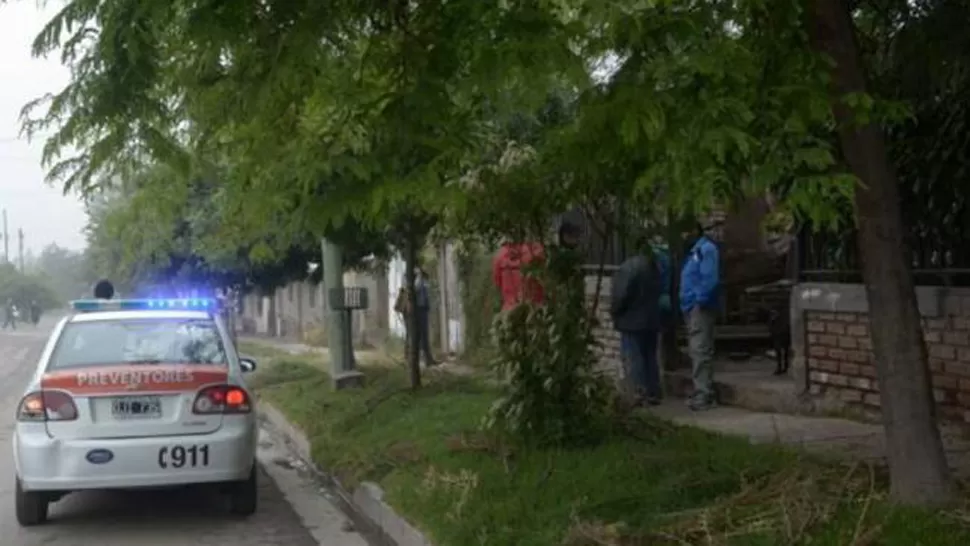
{"x":247,"y":364}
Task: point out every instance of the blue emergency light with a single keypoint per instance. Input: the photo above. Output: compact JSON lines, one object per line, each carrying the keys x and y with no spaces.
{"x":176,"y":304}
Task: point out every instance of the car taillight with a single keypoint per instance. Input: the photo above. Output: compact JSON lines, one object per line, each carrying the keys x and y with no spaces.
{"x":47,"y":406}
{"x":221,"y":399}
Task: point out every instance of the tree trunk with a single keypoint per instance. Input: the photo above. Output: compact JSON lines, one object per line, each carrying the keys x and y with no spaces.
{"x":917,"y":464}
{"x":414,"y":347}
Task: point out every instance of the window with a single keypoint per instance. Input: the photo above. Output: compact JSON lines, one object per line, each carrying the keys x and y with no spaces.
{"x":138,"y":341}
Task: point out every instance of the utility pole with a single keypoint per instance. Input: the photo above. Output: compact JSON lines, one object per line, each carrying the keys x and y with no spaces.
{"x":20,"y":248}
{"x":342,"y":370}
{"x":6,"y":238}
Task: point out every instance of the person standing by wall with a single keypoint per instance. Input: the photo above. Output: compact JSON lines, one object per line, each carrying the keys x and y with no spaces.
{"x":10,"y":315}
{"x":402,"y":306}
{"x":514,"y":285}
{"x":637,"y":288}
{"x":423,"y":309}
{"x":570,"y":235}
{"x":661,"y":257}
{"x":700,"y":288}
{"x":34,"y":312}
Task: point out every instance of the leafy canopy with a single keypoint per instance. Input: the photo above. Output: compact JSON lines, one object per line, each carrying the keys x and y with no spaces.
{"x":312,"y":114}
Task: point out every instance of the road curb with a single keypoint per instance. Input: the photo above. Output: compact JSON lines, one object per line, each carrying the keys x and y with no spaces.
{"x":366,"y":501}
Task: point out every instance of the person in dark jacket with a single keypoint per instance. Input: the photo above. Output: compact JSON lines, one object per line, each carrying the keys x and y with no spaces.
{"x":423,"y":308}
{"x":635,"y":308}
{"x":402,"y":306}
{"x":10,"y":315}
{"x":34,"y":312}
{"x":700,"y":287}
{"x":104,"y":290}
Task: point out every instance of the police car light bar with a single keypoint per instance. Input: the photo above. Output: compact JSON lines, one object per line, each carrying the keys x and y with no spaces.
{"x":193,"y":304}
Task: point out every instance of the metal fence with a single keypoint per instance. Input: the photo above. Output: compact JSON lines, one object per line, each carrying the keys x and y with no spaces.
{"x":605,"y":237}
{"x":834,"y":257}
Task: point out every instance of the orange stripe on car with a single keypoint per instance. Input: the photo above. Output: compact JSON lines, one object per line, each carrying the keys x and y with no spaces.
{"x":140,"y":378}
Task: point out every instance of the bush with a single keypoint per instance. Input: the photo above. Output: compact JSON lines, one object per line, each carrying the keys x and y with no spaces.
{"x":546,"y":354}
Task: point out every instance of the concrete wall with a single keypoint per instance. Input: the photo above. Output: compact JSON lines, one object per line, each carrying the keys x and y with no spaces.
{"x":832,"y":351}
{"x":445,"y":298}
{"x":297,"y":309}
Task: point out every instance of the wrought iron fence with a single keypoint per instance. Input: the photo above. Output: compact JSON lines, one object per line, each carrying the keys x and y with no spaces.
{"x":834,"y":257}
{"x":600,"y":241}
{"x":605,"y":235}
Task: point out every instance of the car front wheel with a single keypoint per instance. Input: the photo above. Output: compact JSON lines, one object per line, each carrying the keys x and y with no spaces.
{"x":31,"y":506}
{"x":242,"y":495}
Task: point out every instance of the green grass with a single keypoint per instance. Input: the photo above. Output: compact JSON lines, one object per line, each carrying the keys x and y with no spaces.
{"x":654,"y":483}
{"x":257,"y":350}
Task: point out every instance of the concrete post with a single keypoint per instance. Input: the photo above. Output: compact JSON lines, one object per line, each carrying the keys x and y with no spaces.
{"x":342,"y":371}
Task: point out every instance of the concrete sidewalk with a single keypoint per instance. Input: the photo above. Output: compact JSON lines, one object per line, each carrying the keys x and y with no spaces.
{"x":828,"y":435}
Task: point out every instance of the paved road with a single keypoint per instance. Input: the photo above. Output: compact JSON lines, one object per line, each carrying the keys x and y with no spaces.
{"x":176,"y":518}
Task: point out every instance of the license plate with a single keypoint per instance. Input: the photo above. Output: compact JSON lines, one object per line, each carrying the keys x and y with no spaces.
{"x":137,"y":407}
{"x":191,"y":456}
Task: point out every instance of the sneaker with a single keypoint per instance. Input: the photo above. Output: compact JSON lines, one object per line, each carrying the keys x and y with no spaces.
{"x":654,"y":400}
{"x":702,"y":405}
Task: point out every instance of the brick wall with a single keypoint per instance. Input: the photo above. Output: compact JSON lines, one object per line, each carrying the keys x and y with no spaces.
{"x":841,"y":364}
{"x":609,"y":339}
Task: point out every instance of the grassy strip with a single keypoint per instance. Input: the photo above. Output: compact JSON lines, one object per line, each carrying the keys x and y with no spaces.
{"x":653,"y":483}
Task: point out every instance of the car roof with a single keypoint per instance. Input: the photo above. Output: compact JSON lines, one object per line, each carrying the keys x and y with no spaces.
{"x":166,"y":314}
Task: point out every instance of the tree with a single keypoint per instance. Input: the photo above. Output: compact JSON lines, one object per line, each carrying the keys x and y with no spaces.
{"x":353,"y":118}
{"x":23,"y":288}
{"x":66,"y":271}
{"x":918,"y":466}
{"x":304,"y":118}
{"x":182,"y":237}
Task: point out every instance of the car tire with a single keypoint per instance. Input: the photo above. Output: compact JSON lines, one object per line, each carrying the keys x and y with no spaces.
{"x":31,"y":506}
{"x":243,"y":496}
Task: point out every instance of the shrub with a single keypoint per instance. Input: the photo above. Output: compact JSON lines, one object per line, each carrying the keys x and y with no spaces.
{"x":553,"y":393}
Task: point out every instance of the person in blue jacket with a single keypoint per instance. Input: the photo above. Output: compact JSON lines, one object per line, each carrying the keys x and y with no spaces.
{"x":700,"y":288}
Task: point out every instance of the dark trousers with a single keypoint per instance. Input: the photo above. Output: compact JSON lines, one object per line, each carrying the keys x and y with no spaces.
{"x":423,"y":334}
{"x":640,"y":350}
{"x":10,"y":321}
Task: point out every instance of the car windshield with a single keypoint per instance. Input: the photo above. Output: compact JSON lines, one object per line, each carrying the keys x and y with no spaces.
{"x":138,"y":341}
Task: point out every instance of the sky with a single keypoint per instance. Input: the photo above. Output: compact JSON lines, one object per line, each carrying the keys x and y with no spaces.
{"x":43,"y":212}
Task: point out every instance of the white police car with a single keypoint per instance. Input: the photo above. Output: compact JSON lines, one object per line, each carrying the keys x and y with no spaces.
{"x":133,"y":394}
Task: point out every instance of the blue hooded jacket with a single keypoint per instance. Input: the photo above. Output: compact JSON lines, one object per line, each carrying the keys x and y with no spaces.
{"x":700,"y":279}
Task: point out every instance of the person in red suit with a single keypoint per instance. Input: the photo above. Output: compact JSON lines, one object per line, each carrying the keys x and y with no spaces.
{"x":509,"y":276}
{"x":511,"y":263}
